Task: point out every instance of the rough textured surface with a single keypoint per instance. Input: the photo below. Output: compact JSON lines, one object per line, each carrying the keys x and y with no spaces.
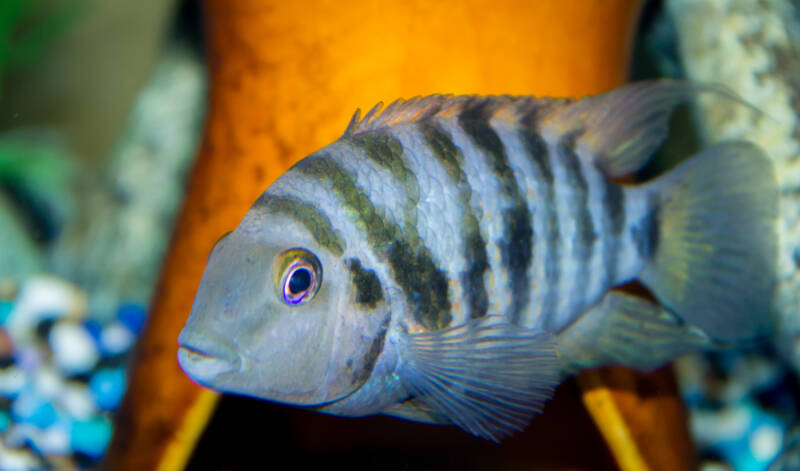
{"x":752,"y":48}
{"x":129,"y":208}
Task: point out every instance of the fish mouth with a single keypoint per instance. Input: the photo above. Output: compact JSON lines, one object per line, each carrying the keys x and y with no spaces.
{"x":203,"y":367}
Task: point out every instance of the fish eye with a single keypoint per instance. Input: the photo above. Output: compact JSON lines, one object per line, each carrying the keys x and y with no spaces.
{"x":301,"y":276}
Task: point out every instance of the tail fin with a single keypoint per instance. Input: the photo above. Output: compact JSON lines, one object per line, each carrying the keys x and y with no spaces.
{"x":715,"y":260}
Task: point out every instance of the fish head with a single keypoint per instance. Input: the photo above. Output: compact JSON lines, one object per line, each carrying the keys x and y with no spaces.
{"x":277,"y":317}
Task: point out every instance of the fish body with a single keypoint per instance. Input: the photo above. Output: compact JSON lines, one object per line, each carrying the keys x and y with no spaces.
{"x":450,"y":259}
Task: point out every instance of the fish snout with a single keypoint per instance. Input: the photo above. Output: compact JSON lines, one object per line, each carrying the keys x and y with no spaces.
{"x":204,"y":363}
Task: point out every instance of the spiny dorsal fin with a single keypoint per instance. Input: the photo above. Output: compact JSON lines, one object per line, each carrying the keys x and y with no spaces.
{"x":620,"y":129}
{"x":421,"y":108}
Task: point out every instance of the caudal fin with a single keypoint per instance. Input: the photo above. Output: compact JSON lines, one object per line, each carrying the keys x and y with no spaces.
{"x":715,"y":255}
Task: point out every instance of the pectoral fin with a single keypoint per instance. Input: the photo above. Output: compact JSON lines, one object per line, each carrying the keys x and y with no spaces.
{"x":625,"y":329}
{"x":489,"y":377}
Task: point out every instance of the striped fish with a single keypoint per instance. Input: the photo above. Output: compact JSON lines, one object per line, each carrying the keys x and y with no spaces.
{"x":451,"y":259}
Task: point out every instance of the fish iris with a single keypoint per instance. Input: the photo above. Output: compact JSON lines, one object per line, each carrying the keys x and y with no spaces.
{"x":301,"y":276}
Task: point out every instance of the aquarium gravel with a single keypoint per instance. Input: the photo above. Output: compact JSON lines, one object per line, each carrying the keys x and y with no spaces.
{"x":62,"y":375}
{"x":741,"y":407}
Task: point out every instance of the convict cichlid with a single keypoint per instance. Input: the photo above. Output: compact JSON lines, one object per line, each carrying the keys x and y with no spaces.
{"x":450,"y":259}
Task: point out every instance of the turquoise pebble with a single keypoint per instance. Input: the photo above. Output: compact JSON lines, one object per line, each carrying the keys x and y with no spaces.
{"x":737,"y":454}
{"x":107,"y":387}
{"x":90,"y":437}
{"x":5,"y":310}
{"x":740,"y":453}
{"x":5,"y":421}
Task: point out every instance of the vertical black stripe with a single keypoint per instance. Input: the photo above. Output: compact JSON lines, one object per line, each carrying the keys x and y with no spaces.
{"x":423,"y":283}
{"x":473,"y":279}
{"x":613,"y":226}
{"x":646,"y":234}
{"x":585,"y":239}
{"x":577,"y":184}
{"x":370,"y":358}
{"x":538,"y":152}
{"x":387,"y":152}
{"x":368,"y":290}
{"x":516,"y":246}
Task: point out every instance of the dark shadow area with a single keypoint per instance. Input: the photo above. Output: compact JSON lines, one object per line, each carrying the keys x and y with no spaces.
{"x":246,"y":433}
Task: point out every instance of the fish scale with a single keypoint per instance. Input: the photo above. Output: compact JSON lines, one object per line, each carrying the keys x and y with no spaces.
{"x":580,"y":262}
{"x":439,"y":210}
{"x":534,"y":188}
{"x":515,"y":242}
{"x":549,"y":245}
{"x":487,"y":195}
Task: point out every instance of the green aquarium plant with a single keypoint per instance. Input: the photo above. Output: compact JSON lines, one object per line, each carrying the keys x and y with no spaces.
{"x":28,"y":27}
{"x":35,"y":169}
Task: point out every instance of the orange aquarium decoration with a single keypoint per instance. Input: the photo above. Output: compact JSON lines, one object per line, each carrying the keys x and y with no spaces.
{"x":285,"y":80}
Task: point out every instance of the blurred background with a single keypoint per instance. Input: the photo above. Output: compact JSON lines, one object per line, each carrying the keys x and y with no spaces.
{"x":101,"y":109}
{"x":101,"y":112}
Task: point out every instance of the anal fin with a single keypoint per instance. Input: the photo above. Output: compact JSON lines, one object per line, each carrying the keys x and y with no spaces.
{"x":628,"y":330}
{"x":488,"y":376}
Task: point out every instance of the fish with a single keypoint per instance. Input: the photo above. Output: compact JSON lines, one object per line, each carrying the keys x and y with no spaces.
{"x":452,"y":259}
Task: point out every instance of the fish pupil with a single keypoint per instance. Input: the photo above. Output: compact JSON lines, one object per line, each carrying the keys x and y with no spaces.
{"x":299,"y":281}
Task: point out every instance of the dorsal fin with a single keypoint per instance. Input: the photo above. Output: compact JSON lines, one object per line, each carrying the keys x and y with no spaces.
{"x":421,"y":108}
{"x":621,"y":129}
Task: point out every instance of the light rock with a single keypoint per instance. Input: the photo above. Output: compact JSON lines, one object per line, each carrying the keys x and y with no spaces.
{"x":74,"y":350}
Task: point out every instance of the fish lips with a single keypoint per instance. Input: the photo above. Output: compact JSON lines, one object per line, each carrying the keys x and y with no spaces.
{"x":204,"y":365}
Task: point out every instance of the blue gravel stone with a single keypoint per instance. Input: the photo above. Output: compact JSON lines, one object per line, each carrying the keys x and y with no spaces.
{"x":107,"y":387}
{"x":132,"y":315}
{"x":35,"y":410}
{"x":90,"y":437}
{"x":94,"y":328}
{"x":5,"y":310}
{"x":5,"y":421}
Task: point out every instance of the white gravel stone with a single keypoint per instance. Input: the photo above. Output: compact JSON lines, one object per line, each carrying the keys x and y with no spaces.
{"x":74,"y":350}
{"x":17,"y":460}
{"x":116,"y":338}
{"x":77,"y":402}
{"x":766,"y":442}
{"x":12,"y":380}
{"x":54,"y":440}
{"x":48,"y":382}
{"x":43,"y":297}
